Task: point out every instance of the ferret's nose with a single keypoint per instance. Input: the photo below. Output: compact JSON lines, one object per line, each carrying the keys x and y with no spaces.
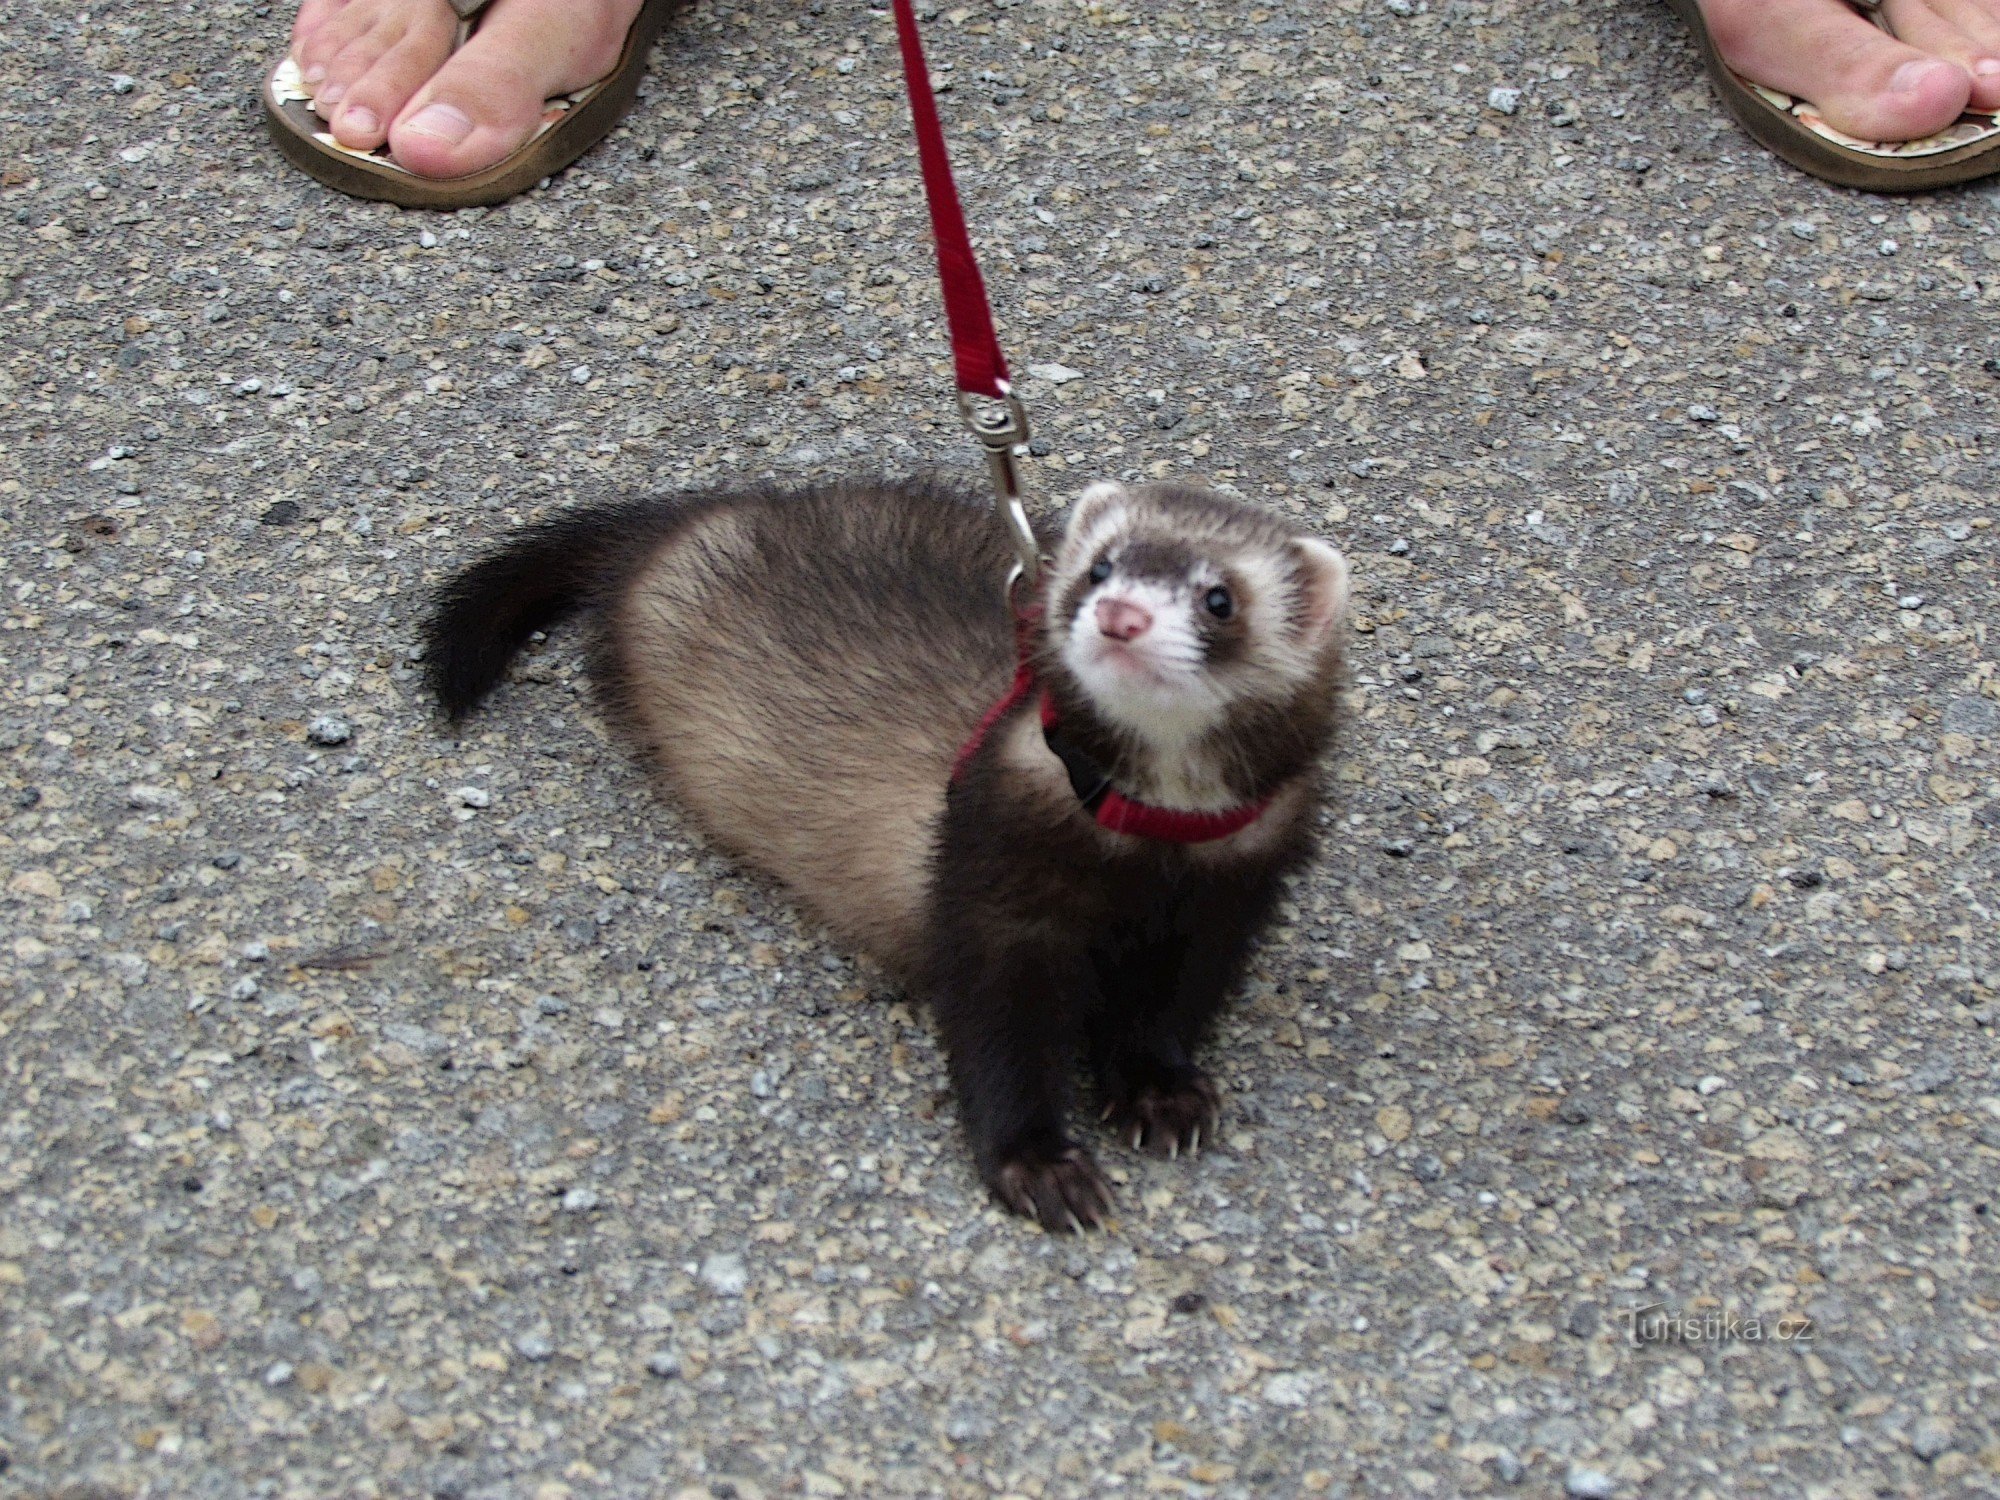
{"x":1122,"y":620}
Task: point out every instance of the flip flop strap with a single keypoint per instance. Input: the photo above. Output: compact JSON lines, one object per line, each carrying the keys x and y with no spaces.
{"x":1872,"y":10}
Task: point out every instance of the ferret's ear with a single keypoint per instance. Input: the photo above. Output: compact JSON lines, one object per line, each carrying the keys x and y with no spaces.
{"x":1098,"y":504}
{"x":1323,"y":581}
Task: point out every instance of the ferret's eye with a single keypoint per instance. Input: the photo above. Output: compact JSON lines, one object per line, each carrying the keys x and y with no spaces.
{"x":1219,"y":603}
{"x":1100,"y":570}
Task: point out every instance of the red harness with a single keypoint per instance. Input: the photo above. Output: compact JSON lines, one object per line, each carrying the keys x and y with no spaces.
{"x":1111,"y":808}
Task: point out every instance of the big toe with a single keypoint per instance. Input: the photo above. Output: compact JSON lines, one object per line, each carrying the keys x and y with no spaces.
{"x":489,"y":97}
{"x":477,"y":110}
{"x":1859,"y":79}
{"x":1902,"y":95}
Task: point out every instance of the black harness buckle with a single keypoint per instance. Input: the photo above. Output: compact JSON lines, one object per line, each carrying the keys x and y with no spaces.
{"x":1090,"y":781}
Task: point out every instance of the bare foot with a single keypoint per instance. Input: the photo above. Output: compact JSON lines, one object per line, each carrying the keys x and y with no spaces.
{"x":384,"y":70}
{"x":1944,"y":56}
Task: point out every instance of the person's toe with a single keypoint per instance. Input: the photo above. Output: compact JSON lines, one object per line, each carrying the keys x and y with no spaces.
{"x":415,"y":52}
{"x":1898,"y":95}
{"x":1986,"y":83}
{"x":1860,"y":79}
{"x":488,"y":98}
{"x":480,"y":106}
{"x":327,"y":30}
{"x":1965,"y":32}
{"x":313,"y":18}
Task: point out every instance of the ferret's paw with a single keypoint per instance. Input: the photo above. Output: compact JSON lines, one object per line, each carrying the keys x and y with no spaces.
{"x":1065,"y":1193}
{"x":1167,"y":1119}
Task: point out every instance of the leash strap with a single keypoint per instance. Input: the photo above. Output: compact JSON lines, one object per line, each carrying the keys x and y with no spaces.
{"x":975,"y":346}
{"x":980,"y":366}
{"x":1017,"y":693}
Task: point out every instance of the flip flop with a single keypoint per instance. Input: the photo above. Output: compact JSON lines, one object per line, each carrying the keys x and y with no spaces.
{"x":570,"y":126}
{"x":1965,"y":150}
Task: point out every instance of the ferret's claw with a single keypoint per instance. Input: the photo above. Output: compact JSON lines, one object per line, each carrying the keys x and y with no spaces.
{"x":1107,"y":1112}
{"x":1194,"y":1142}
{"x":1138,"y":1136}
{"x":1174,"y":1149}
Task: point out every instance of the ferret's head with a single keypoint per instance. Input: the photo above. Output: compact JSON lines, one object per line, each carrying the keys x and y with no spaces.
{"x":1195,"y":639}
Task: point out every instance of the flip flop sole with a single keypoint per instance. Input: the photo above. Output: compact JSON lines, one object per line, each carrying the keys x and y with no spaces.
{"x":1907,"y":167}
{"x":572,"y":126}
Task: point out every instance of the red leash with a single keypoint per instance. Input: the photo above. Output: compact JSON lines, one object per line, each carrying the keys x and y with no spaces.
{"x":975,"y":346}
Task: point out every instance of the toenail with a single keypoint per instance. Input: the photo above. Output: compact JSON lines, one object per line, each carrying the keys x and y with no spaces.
{"x":1911,"y":75}
{"x":442,"y":121}
{"x":360,"y":119}
{"x":1987,"y":67}
{"x":330,"y":95}
{"x":315,"y":73}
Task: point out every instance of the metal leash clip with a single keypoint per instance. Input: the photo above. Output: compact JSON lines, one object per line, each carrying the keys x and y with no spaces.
{"x":1001,"y":427}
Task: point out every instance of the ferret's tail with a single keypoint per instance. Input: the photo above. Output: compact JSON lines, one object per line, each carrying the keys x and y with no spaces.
{"x":488,"y":610}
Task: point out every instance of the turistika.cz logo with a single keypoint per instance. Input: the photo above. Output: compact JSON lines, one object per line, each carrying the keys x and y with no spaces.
{"x":1655,"y":1323}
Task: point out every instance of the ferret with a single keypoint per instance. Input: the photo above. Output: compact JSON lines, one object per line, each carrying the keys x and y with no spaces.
{"x":1060,"y":820}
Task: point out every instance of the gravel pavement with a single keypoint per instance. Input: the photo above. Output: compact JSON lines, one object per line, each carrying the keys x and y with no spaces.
{"x":1613,"y":1111}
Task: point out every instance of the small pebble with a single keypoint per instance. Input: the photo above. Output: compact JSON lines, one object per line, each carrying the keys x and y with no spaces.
{"x":725,"y":1274}
{"x":328,"y":730}
{"x":1588,"y":1484}
{"x":1288,"y":1389}
{"x":1505,"y":100}
{"x":1931,"y":1438}
{"x":473,"y":796}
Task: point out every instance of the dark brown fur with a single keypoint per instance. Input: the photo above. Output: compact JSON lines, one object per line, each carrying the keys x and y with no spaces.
{"x":802,"y":669}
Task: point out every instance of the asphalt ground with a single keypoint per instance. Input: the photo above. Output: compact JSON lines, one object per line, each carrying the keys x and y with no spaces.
{"x":385,"y":1111}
